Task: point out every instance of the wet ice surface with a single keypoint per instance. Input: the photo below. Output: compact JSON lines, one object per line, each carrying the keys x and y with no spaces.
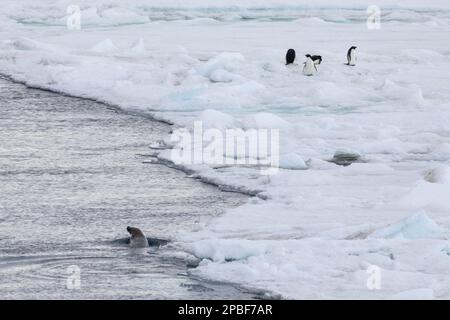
{"x":72,"y":178}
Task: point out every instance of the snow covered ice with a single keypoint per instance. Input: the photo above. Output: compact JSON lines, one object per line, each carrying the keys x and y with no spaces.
{"x":316,"y":226}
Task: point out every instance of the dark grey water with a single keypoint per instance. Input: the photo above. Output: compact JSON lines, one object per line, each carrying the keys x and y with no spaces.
{"x":72,"y":177}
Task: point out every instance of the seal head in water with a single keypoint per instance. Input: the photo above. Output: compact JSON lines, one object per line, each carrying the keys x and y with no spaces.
{"x":137,"y":239}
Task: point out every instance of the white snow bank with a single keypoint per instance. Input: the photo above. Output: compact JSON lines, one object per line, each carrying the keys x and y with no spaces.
{"x":223,"y":250}
{"x":432,"y":196}
{"x":313,"y":268}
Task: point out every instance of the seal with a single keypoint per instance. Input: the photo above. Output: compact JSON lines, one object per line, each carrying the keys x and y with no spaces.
{"x":137,"y":239}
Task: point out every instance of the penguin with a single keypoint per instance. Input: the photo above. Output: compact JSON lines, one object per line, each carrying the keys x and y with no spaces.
{"x":309,"y":68}
{"x":137,"y":239}
{"x":351,"y":56}
{"x":317,"y":59}
{"x":290,"y":56}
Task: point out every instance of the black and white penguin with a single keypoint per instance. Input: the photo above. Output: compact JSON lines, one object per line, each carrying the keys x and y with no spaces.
{"x":309,"y":67}
{"x":316,"y":59}
{"x":290,"y":56}
{"x":351,"y":56}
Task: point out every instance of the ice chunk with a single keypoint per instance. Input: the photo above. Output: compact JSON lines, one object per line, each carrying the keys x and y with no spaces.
{"x":117,"y":16}
{"x":292,"y":161}
{"x":221,"y":75}
{"x":410,"y":94}
{"x":25,"y":44}
{"x":105,"y":46}
{"x":218,"y":120}
{"x":226,"y":250}
{"x":417,"y":226}
{"x":264,"y":120}
{"x":440,"y":174}
{"x":446,"y":250}
{"x":138,"y":46}
{"x":226,"y":61}
{"x":160,"y":145}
